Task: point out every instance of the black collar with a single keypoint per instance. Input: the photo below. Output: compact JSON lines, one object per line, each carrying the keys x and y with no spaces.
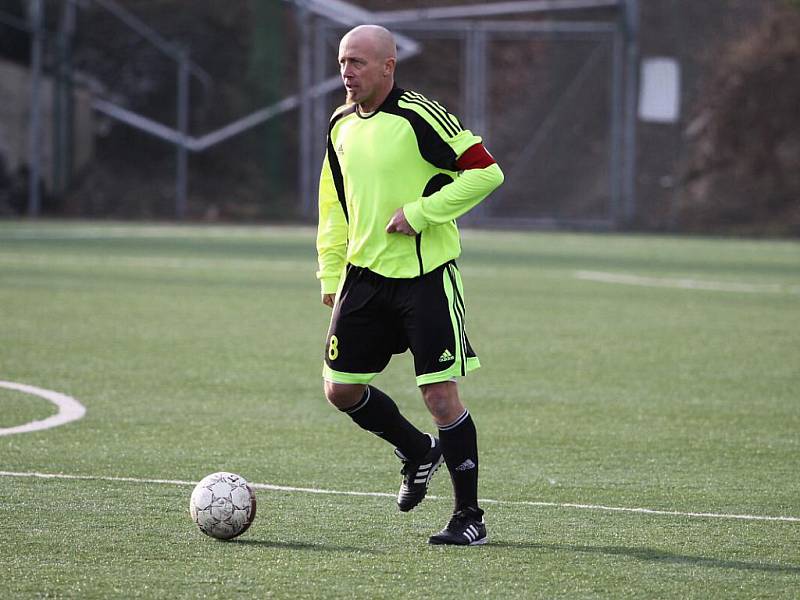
{"x":391,"y":100}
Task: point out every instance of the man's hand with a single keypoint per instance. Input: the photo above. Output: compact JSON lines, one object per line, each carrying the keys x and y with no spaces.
{"x":328,"y":299}
{"x":398,"y":224}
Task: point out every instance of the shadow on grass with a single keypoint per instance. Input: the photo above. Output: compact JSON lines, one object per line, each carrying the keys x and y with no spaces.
{"x":656,"y":556}
{"x":304,"y":546}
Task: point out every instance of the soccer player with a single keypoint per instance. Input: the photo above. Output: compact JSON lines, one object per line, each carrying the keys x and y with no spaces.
{"x":399,"y":169}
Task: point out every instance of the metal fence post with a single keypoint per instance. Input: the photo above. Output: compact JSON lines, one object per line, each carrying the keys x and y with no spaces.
{"x":306,"y":109}
{"x":320,"y":110}
{"x":631,"y":98}
{"x":181,"y":175}
{"x":63,"y":105}
{"x":475,"y":48}
{"x":617,"y":112}
{"x":36,"y":16}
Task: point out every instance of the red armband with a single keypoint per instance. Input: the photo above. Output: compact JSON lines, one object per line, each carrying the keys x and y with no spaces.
{"x":475,"y":157}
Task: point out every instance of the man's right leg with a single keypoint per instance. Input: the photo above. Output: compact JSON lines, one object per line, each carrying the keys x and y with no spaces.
{"x":374,"y":411}
{"x":377,"y":413}
{"x":362,"y":337}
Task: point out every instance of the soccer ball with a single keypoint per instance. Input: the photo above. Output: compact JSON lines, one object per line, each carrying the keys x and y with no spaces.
{"x":223,"y":505}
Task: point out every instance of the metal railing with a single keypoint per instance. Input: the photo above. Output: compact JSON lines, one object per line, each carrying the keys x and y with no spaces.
{"x":316,"y":16}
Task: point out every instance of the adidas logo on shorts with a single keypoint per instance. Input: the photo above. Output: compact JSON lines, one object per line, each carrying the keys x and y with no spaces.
{"x":446,"y":356}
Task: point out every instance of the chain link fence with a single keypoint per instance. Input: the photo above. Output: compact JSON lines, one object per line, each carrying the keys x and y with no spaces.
{"x":152,"y":111}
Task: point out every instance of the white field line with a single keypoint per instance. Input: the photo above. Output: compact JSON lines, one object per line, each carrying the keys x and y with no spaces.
{"x":69,"y":409}
{"x":152,"y":262}
{"x":305,"y":490}
{"x":136,"y":232}
{"x":687,"y":284}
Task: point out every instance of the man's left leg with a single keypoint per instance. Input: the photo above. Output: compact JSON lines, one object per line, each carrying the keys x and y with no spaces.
{"x":459,"y":441}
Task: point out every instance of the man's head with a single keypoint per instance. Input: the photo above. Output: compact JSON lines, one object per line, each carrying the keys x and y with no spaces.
{"x":367,"y":57}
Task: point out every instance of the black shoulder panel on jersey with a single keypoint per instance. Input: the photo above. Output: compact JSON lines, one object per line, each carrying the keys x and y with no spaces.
{"x":449,"y":123}
{"x":333,"y":160}
{"x":431,"y":145}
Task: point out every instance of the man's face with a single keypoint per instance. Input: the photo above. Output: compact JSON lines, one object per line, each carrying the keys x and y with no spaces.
{"x":363,"y":72}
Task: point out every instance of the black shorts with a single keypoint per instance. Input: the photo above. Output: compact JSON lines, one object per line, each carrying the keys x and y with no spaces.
{"x":375,"y":317}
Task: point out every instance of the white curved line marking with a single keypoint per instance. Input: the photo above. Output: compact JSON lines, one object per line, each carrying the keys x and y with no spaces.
{"x":69,"y":409}
{"x":687,"y":284}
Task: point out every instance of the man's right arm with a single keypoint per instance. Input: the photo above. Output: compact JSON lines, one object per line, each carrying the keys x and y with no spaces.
{"x":331,"y":235}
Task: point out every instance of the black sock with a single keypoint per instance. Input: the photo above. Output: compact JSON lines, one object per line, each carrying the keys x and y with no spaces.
{"x":378,"y":413}
{"x":460,"y":448}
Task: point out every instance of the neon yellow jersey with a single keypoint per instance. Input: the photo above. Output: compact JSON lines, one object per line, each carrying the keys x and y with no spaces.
{"x":402,"y":155}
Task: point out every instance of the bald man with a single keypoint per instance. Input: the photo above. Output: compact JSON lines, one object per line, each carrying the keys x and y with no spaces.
{"x":398,"y":171}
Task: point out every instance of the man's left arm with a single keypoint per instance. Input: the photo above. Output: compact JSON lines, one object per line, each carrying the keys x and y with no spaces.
{"x":480,"y":175}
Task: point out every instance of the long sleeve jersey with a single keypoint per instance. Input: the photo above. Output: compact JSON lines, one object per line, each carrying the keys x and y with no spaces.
{"x":402,"y":155}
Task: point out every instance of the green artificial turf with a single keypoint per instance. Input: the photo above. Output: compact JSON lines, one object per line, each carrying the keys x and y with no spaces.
{"x":197,"y":349}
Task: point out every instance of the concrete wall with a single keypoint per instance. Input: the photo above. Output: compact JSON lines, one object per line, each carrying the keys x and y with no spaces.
{"x":693,"y":33}
{"x":15,"y":119}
